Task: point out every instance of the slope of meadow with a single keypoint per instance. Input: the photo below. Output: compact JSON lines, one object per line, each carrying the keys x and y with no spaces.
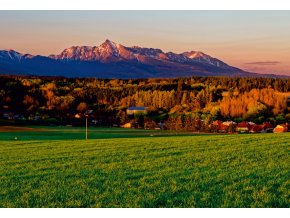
{"x":177,"y":171}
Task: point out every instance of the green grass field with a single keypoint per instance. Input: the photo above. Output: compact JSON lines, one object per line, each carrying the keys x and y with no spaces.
{"x":130,"y":168}
{"x":73,"y":133}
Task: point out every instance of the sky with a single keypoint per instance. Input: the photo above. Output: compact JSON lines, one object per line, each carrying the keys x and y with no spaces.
{"x":256,"y":41}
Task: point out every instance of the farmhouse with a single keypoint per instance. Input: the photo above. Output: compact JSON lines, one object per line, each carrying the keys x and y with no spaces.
{"x":268,"y":126}
{"x":136,"y":110}
{"x":245,"y":126}
{"x":265,"y":127}
{"x":258,"y":129}
{"x":223,"y":127}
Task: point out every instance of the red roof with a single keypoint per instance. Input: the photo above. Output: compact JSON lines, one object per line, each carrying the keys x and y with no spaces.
{"x":243,"y":124}
{"x":258,"y":128}
{"x":222,"y":127}
{"x":268,"y":125}
{"x":217,"y":122}
{"x":247,"y":125}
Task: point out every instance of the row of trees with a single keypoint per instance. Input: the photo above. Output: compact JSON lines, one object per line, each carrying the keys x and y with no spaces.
{"x":265,"y":102}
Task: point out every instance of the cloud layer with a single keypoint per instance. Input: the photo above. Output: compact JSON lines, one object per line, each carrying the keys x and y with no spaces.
{"x":264,"y":63}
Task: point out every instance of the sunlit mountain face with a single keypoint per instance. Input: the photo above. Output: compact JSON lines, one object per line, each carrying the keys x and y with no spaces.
{"x":113,"y":60}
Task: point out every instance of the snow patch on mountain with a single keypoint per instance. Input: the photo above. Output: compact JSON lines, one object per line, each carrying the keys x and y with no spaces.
{"x":11,"y":54}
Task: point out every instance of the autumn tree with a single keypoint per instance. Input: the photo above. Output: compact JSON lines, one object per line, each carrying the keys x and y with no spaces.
{"x":82,"y":107}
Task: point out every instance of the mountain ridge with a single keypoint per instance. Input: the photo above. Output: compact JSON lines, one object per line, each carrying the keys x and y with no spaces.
{"x":113,"y":60}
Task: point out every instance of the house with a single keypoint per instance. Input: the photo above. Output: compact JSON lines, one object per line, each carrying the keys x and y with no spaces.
{"x":244,"y":127}
{"x":263,"y":128}
{"x":217,"y":123}
{"x":218,"y":126}
{"x":280,"y":128}
{"x":230,"y":126}
{"x":258,"y":129}
{"x":222,"y":127}
{"x":136,"y":110}
{"x":268,"y":126}
{"x":228,"y":123}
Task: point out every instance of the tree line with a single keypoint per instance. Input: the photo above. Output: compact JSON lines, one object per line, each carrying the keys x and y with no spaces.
{"x":179,"y":101}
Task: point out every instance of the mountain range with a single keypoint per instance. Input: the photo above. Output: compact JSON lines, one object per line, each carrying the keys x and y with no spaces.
{"x":113,"y":60}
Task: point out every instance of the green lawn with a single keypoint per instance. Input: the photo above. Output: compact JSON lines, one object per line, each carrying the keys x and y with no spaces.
{"x":177,"y":171}
{"x":72,"y":133}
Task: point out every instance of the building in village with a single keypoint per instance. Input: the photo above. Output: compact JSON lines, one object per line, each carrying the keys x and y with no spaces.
{"x":245,"y":127}
{"x":263,"y":128}
{"x":136,"y":110}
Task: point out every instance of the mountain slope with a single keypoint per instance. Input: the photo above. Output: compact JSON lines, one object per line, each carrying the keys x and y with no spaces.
{"x":113,"y":60}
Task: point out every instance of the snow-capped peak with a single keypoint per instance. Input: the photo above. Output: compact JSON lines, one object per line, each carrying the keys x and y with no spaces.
{"x":11,"y":54}
{"x":110,"y":46}
{"x":196,"y":54}
{"x":202,"y":57}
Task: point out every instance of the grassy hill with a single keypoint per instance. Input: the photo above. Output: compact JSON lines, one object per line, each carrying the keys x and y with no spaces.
{"x":177,"y":171}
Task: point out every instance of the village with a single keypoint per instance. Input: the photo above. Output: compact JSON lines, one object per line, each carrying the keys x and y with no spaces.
{"x":136,"y":117}
{"x":219,"y":126}
{"x":216,"y":126}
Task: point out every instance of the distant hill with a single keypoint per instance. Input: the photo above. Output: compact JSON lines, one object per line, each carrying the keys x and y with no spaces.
{"x":112,"y":60}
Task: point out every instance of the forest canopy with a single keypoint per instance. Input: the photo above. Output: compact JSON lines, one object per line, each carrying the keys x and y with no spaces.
{"x":207,"y":98}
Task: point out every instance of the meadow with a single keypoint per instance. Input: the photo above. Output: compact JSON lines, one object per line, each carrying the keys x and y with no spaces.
{"x":137,"y":168}
{"x":74,"y":133}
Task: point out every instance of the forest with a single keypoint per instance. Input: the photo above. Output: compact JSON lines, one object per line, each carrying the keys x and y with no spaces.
{"x":178,"y":103}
